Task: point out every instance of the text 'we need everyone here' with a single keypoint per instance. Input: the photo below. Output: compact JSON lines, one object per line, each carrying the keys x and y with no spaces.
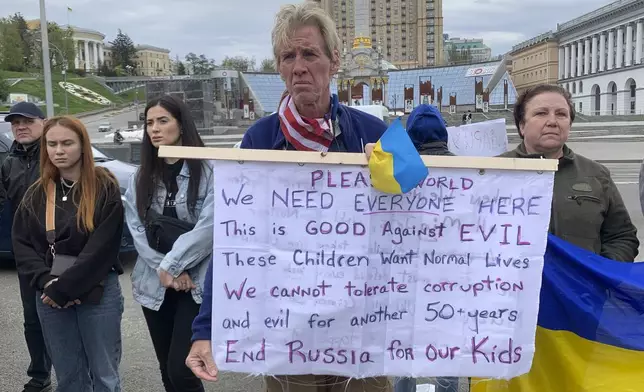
{"x":320,"y":254}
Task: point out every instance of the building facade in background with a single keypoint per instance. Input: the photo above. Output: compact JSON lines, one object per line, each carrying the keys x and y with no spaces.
{"x":153,"y":61}
{"x":465,"y":50}
{"x":92,"y":52}
{"x":409,"y":33}
{"x":150,"y":60}
{"x":601,"y":59}
{"x":535,"y":61}
{"x":88,"y":44}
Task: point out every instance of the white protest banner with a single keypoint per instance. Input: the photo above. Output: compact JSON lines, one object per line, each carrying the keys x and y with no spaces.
{"x":482,"y":139}
{"x":315,"y":272}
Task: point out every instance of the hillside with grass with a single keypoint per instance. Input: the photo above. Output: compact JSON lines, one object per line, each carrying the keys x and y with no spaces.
{"x":33,"y":84}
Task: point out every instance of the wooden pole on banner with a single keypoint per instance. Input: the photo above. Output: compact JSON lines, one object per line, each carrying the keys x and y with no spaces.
{"x":342,"y":158}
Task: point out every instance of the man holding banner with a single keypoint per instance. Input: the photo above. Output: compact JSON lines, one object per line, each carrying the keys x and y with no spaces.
{"x":306,"y":48}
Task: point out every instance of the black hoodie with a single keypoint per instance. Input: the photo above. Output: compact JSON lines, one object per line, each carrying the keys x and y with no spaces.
{"x":97,"y":252}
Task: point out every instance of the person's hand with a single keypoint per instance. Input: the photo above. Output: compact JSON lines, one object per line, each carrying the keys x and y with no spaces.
{"x":368,"y":149}
{"x":72,"y":303}
{"x":165,"y":278}
{"x":200,"y":361}
{"x":183,"y":283}
{"x":48,"y":301}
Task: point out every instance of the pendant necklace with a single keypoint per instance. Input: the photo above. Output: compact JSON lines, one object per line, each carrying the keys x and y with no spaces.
{"x":69,"y":187}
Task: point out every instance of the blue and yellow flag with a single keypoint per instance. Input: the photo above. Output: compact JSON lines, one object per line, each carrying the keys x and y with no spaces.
{"x":395,"y":165}
{"x":590,"y":332}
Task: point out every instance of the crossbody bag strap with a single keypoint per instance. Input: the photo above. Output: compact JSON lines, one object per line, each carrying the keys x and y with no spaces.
{"x":50,"y":216}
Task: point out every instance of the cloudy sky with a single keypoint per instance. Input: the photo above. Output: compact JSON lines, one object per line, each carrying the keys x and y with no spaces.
{"x":218,"y":28}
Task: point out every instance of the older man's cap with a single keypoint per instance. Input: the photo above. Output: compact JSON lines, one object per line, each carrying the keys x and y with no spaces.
{"x":24,"y":109}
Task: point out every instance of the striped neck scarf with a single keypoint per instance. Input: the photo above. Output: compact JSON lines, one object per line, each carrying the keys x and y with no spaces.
{"x":305,"y":134}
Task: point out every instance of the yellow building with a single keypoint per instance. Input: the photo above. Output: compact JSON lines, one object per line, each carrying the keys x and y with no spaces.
{"x":409,"y":32}
{"x":150,"y":60}
{"x":153,"y":61}
{"x":535,"y":61}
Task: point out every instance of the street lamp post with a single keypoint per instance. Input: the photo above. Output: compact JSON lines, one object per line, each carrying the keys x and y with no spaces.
{"x":65,"y":81}
{"x":130,"y":70}
{"x":49,"y":95}
{"x":62,"y":55}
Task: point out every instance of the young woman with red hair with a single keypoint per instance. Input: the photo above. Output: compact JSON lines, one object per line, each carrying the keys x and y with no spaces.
{"x":66,"y":239}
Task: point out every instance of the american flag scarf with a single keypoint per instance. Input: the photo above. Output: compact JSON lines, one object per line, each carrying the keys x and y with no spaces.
{"x":305,"y":134}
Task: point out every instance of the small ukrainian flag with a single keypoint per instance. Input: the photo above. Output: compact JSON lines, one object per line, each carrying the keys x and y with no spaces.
{"x":395,"y":165}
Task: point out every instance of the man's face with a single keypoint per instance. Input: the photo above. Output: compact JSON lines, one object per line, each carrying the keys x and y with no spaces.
{"x":306,"y":69}
{"x":26,"y":130}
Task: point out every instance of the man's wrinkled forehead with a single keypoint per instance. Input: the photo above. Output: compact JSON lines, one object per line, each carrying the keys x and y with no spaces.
{"x":299,"y":44}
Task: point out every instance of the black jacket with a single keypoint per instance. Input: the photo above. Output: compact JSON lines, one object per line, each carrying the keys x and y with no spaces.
{"x":97,"y":252}
{"x":434,"y":148}
{"x":19,"y":171}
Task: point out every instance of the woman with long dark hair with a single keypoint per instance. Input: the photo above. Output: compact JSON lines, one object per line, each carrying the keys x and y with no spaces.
{"x":169,"y":208}
{"x":66,"y":239}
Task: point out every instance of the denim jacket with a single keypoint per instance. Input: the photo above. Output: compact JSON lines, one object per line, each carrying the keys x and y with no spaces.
{"x":191,"y":252}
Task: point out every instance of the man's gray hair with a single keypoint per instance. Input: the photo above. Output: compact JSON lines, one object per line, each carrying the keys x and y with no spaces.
{"x":309,"y":13}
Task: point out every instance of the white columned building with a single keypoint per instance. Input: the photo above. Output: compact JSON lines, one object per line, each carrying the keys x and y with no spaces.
{"x":619,"y":60}
{"x":611,"y":50}
{"x":561,"y":63}
{"x":602,"y":52}
{"x":587,"y":56}
{"x":601,"y":57}
{"x":573,"y":60}
{"x":638,"y":43}
{"x":89,"y":49}
{"x":566,"y":62}
{"x":593,"y":59}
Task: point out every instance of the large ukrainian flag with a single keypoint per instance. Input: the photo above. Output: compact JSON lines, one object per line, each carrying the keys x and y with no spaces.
{"x":395,"y":165}
{"x":590,"y":333}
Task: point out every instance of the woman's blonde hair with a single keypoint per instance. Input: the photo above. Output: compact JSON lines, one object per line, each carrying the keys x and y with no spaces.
{"x":309,"y":13}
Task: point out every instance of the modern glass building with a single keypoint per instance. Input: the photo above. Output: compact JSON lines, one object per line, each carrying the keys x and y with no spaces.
{"x":457,"y":80}
{"x":266,"y":88}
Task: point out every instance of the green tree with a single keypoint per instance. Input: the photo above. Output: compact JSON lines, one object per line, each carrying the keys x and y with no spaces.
{"x":267,"y":65}
{"x":200,"y":65}
{"x":181,"y":69}
{"x":123,"y":51}
{"x":62,"y":50}
{"x":4,"y":90}
{"x":178,"y":67}
{"x":11,"y":50}
{"x":239,"y":63}
{"x":105,"y":70}
{"x":26,"y":37}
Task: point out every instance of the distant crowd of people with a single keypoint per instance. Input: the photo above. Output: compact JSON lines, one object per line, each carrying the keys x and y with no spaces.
{"x":69,"y":216}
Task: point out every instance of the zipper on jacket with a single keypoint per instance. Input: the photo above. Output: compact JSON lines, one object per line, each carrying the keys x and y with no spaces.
{"x":579,"y":198}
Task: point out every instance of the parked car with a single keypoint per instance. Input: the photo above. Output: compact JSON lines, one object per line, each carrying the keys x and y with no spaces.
{"x":105,"y":127}
{"x":122,"y":171}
